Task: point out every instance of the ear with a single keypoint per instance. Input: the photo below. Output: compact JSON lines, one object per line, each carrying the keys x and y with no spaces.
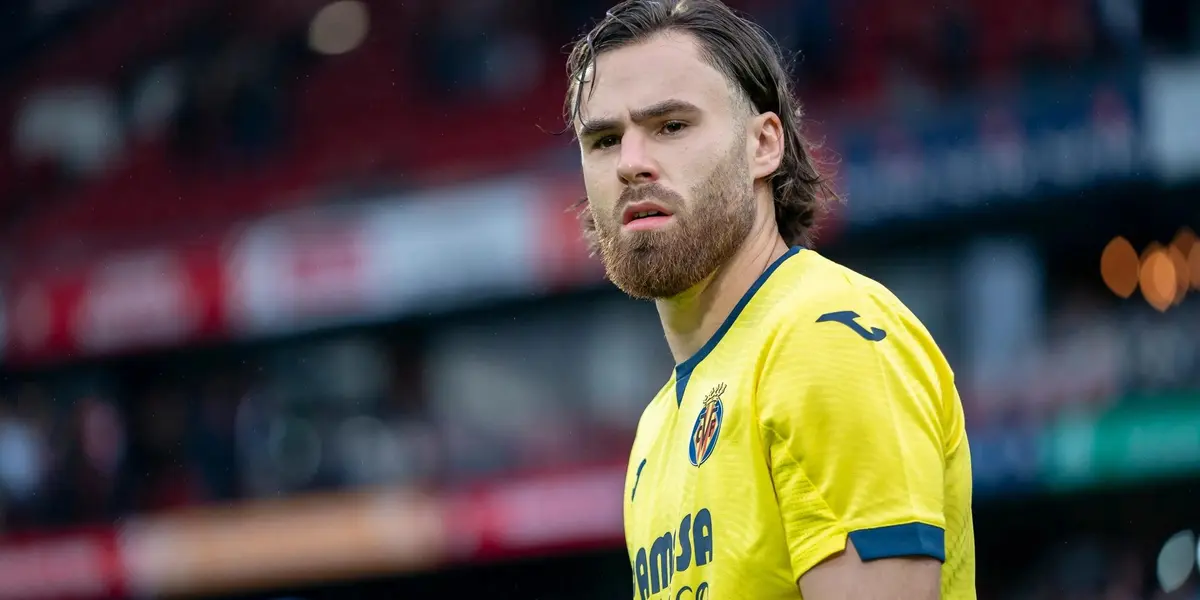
{"x":767,"y":144}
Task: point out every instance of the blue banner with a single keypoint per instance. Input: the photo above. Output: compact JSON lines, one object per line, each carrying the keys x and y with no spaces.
{"x":1058,"y":137}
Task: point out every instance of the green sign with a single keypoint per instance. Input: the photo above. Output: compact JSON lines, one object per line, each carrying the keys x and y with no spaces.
{"x":1144,"y":438}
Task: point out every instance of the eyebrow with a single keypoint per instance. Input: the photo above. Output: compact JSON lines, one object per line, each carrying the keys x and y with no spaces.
{"x":589,"y":127}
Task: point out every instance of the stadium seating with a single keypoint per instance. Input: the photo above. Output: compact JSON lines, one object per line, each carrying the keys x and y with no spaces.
{"x":367,"y":114}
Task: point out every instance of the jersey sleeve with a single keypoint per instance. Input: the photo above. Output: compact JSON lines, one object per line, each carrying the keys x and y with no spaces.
{"x":850,"y":409}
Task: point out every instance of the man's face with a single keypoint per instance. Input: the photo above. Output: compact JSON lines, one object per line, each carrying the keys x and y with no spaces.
{"x":661,"y":135}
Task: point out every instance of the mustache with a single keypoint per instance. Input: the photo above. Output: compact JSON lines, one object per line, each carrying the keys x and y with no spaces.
{"x":649,"y":192}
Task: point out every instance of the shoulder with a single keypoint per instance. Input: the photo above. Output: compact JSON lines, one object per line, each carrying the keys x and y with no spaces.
{"x":841,"y":342}
{"x":820,"y":299}
{"x":832,"y":327}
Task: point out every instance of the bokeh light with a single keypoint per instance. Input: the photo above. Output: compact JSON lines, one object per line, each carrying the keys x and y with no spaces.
{"x":1157,"y":278}
{"x":339,"y":27}
{"x":1175,"y":561}
{"x":1119,"y":267}
{"x":1182,"y":247}
{"x":1165,"y":274}
{"x":1194,"y":265}
{"x":1179,"y":263}
{"x":1184,"y":240}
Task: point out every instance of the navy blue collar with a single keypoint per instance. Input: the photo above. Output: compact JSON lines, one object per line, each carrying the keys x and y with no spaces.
{"x":684,"y":369}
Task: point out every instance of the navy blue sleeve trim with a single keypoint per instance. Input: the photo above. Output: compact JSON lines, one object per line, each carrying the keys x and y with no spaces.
{"x":909,"y":539}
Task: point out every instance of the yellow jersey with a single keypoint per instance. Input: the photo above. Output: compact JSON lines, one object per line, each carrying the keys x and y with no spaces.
{"x":820,"y":411}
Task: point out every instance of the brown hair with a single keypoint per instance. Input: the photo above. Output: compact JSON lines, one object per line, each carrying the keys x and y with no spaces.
{"x":751,"y":61}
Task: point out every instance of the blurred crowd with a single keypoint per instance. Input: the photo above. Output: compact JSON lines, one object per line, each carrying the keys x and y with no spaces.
{"x":433,"y":406}
{"x":212,"y":92}
{"x":1090,"y":358}
{"x":1093,"y":568}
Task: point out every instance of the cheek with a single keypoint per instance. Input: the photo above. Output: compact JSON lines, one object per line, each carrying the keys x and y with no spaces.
{"x":602,"y":195}
{"x":693,"y":162}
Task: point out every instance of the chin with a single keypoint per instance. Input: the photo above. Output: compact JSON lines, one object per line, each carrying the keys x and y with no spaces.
{"x":643,"y":279}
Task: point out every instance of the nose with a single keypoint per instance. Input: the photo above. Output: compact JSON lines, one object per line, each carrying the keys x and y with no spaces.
{"x":636,"y":165}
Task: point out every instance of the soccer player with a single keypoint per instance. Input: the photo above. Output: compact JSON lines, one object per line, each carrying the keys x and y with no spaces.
{"x":810,"y":441}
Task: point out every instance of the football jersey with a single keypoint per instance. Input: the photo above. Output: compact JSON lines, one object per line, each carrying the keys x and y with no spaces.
{"x":821,"y":410}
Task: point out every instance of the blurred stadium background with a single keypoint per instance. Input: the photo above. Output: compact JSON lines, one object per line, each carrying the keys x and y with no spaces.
{"x":291,"y":305}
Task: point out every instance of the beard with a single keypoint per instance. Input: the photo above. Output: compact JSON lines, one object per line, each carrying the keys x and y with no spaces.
{"x":701,"y":237}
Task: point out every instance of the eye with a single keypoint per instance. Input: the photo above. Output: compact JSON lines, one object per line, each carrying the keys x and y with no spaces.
{"x":607,"y":141}
{"x":673,"y":127}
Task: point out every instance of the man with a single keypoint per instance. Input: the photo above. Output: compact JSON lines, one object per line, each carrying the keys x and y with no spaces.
{"x":810,"y":443}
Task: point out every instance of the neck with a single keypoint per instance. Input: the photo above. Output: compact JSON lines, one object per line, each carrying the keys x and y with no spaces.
{"x":693,"y":317}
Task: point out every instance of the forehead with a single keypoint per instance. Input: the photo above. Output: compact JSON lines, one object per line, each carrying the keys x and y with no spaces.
{"x":666,"y":66}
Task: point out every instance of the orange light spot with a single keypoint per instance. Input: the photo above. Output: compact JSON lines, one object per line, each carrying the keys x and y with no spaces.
{"x":1119,"y":267}
{"x":1185,"y":239}
{"x":1194,"y":265}
{"x":1179,"y":264}
{"x":1157,"y":279}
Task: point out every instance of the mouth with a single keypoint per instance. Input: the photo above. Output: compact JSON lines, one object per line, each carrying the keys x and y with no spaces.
{"x":645,"y":215}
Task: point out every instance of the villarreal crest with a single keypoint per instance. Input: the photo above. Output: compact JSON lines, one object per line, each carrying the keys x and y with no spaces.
{"x":707,"y":427}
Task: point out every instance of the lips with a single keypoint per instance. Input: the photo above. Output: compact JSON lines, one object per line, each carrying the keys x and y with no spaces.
{"x":643,"y":210}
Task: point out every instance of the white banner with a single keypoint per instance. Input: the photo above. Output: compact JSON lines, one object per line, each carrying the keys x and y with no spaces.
{"x":374,"y":260}
{"x":1172,"y":92}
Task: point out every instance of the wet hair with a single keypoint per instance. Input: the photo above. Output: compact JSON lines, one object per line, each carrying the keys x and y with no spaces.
{"x":757,"y":72}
